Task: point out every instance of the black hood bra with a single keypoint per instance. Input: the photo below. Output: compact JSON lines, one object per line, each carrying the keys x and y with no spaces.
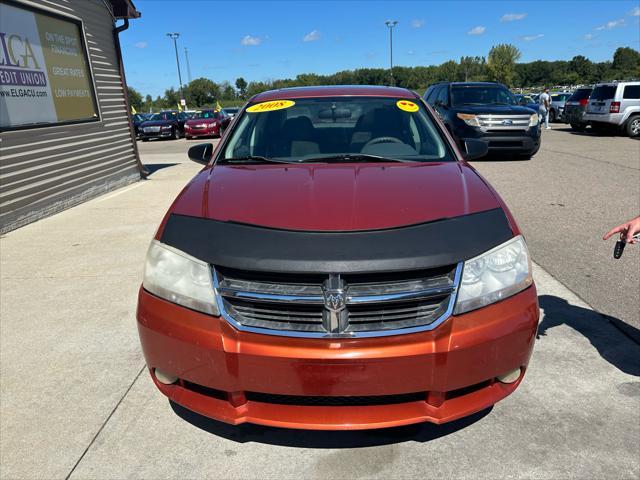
{"x":251,"y":247}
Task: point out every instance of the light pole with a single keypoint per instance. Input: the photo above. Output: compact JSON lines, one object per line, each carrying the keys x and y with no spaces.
{"x":174,"y":37}
{"x":186,"y":56}
{"x":390,"y":24}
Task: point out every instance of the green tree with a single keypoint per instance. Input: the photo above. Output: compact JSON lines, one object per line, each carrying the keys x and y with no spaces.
{"x":171,"y":99}
{"x":201,"y":92}
{"x":472,"y":68}
{"x":241,"y":85}
{"x":135,"y":98}
{"x":501,"y":63}
{"x":626,"y":63}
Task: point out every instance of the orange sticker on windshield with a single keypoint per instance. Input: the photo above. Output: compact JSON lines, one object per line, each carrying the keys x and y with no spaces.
{"x":270,"y":106}
{"x":407,"y":106}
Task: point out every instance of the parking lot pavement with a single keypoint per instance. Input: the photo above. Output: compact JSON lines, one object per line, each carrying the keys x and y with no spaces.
{"x":76,"y":399}
{"x":573,"y":191}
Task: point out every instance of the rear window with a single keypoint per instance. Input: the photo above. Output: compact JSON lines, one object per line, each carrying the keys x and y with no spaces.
{"x":631,"y":91}
{"x":604,"y":92}
{"x":580,"y":94}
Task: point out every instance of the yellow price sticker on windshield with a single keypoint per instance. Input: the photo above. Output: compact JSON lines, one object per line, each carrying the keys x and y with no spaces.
{"x":407,"y":106}
{"x":270,"y":106}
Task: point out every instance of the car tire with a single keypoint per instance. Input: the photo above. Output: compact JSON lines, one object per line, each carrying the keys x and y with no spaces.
{"x":552,"y":116}
{"x":633,"y":126}
{"x":187,"y":137}
{"x":578,"y":127}
{"x":175,"y":134}
{"x":145,"y":139}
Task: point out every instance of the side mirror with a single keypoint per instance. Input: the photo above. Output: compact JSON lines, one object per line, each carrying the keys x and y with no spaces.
{"x":475,"y":149}
{"x":201,"y":153}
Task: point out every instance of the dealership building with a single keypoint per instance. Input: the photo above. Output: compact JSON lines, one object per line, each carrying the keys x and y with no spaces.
{"x":66,"y":134}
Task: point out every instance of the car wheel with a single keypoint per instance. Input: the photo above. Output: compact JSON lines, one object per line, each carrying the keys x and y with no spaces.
{"x":578,"y":127}
{"x":633,"y":126}
{"x":176,"y":134}
{"x":187,"y":137}
{"x":145,"y":139}
{"x":552,"y":116}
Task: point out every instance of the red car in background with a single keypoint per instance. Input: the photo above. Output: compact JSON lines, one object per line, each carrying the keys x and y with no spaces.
{"x":206,"y":123}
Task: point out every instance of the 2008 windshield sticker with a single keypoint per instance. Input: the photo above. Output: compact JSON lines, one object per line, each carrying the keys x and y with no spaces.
{"x":407,"y":106}
{"x":270,"y":106}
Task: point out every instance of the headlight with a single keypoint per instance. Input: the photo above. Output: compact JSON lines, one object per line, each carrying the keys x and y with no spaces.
{"x":494,"y":275}
{"x":179,"y":278}
{"x":469,"y":119}
{"x":533,"y":120}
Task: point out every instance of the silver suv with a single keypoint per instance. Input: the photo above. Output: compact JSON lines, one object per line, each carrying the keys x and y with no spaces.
{"x":615,"y":104}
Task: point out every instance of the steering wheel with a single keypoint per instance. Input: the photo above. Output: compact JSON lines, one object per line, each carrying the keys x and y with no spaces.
{"x":375,"y":141}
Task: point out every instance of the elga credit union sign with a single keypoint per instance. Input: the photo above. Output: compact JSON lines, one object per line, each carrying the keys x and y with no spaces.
{"x":44,"y":72}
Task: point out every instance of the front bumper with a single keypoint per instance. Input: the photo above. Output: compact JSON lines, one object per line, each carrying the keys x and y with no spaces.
{"x":202,"y":132}
{"x":160,"y":134}
{"x":524,"y":144}
{"x":239,"y":377}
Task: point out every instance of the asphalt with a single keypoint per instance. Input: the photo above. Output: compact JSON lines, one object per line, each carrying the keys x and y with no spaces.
{"x":77,"y":401}
{"x":574,"y":190}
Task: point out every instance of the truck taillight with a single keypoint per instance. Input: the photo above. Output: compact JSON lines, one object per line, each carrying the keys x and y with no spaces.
{"x":615,"y":107}
{"x":584,"y":102}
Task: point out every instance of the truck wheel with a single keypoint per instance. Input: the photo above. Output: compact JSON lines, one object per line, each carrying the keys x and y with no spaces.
{"x":578,"y":127}
{"x":633,"y":126}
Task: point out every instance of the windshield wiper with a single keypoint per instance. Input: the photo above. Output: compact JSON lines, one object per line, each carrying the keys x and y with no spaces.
{"x":354,"y":157}
{"x":253,"y":159}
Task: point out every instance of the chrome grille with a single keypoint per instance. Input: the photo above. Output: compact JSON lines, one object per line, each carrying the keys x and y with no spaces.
{"x":491,"y":122}
{"x":364,"y":304}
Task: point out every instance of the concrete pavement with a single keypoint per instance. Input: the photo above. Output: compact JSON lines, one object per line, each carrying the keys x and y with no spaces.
{"x":76,"y":400}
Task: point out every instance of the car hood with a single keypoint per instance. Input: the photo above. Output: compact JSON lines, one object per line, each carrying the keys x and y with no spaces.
{"x":493,"y":109}
{"x":336,"y":197}
{"x":155,"y":123}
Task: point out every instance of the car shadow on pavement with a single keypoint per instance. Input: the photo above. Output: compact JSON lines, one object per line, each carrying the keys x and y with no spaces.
{"x":624,"y":355}
{"x":154,"y":167}
{"x":286,"y":437}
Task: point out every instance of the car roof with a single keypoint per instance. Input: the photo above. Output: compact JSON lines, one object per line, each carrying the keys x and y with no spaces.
{"x":469,"y":84}
{"x":334,"y":91}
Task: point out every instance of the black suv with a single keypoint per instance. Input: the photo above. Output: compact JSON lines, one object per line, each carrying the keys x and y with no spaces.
{"x":486,"y":111}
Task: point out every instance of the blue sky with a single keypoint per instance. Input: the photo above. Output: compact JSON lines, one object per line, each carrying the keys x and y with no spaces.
{"x":268,"y":40}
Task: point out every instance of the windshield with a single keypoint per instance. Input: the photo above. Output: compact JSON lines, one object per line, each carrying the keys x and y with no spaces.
{"x":205,"y":114}
{"x":164,"y":116}
{"x":481,"y":95}
{"x":330,"y":129}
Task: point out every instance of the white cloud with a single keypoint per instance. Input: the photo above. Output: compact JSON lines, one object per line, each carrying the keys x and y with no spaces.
{"x":312,"y":36}
{"x":417,"y":23}
{"x":530,"y":38}
{"x":510,"y":17}
{"x":635,"y":12}
{"x":249,"y":40}
{"x":589,"y":36}
{"x":612,"y":24}
{"x":479,"y":30}
{"x":411,"y":52}
{"x":141,"y":45}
